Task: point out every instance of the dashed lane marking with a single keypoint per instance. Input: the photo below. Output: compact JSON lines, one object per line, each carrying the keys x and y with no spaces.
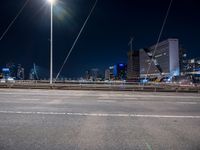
{"x":106,"y":101}
{"x":29,"y":99}
{"x":192,"y":103}
{"x":134,"y":96}
{"x":118,"y":98}
{"x":100,"y":114}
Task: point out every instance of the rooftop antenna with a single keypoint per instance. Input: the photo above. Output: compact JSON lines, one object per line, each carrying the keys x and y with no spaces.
{"x":130,"y":53}
{"x":35,"y":71}
{"x":131,"y":48}
{"x":131,"y":44}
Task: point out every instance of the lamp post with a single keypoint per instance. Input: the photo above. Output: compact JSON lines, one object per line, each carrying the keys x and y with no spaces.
{"x":51,"y":42}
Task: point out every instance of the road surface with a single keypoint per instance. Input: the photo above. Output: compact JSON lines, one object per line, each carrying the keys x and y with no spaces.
{"x":98,"y":120}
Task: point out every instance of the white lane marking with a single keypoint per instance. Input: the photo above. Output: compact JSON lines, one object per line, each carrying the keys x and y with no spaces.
{"x":100,"y":114}
{"x":101,"y":95}
{"x":106,"y":101}
{"x":122,"y":98}
{"x":149,"y":96}
{"x":23,"y":112}
{"x":46,"y":94}
{"x":192,"y":103}
{"x":56,"y":102}
{"x":29,"y":99}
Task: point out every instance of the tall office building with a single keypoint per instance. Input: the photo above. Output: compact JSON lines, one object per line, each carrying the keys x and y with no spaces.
{"x":161,"y":59}
{"x":182,"y":60}
{"x":20,"y":72}
{"x":107,"y":74}
{"x":193,"y":65}
{"x":12,"y":69}
{"x":133,"y":66}
{"x":121,"y":71}
{"x":193,"y":69}
{"x":116,"y":72}
{"x":93,"y":74}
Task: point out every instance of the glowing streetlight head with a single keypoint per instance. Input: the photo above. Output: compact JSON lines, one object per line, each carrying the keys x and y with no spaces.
{"x":51,"y":1}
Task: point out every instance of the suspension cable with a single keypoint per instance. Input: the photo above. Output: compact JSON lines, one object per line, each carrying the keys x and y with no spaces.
{"x":161,"y":31}
{"x":13,"y":21}
{"x":76,"y":39}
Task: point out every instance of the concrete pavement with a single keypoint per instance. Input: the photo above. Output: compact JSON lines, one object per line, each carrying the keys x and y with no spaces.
{"x":56,"y":119}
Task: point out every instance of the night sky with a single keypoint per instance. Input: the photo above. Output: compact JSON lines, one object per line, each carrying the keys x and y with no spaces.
{"x":104,"y":41}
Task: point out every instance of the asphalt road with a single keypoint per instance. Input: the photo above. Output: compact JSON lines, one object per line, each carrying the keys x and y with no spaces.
{"x":98,"y":120}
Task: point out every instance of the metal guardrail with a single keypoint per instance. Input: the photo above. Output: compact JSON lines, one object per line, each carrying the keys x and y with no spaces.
{"x":101,"y":82}
{"x":100,"y":85}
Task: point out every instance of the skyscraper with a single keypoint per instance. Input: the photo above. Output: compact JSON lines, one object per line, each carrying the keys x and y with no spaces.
{"x":161,"y":59}
{"x":133,"y":66}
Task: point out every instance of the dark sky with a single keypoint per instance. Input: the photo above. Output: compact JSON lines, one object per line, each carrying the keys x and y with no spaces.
{"x":105,"y":39}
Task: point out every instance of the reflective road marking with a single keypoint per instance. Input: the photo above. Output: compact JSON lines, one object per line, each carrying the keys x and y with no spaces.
{"x":106,"y":101}
{"x":100,"y":114}
{"x":192,"y":103}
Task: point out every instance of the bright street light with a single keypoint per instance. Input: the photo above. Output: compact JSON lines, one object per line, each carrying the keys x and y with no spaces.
{"x":51,"y":1}
{"x":51,"y":43}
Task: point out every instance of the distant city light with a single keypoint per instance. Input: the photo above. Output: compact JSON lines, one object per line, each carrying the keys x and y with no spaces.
{"x":192,"y":60}
{"x":5,"y":69}
{"x":111,"y":67}
{"x":121,"y":65}
{"x":175,"y":73}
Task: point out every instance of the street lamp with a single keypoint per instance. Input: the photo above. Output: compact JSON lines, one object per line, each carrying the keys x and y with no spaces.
{"x":51,"y":1}
{"x":51,"y":42}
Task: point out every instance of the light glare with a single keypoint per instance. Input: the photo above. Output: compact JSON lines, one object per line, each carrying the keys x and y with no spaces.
{"x":51,"y":1}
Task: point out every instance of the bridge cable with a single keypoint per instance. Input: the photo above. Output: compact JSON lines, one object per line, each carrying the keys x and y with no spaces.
{"x":161,"y":31}
{"x":88,"y":17}
{"x":13,"y":21}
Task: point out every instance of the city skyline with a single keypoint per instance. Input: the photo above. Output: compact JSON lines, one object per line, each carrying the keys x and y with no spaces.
{"x":104,"y":40}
